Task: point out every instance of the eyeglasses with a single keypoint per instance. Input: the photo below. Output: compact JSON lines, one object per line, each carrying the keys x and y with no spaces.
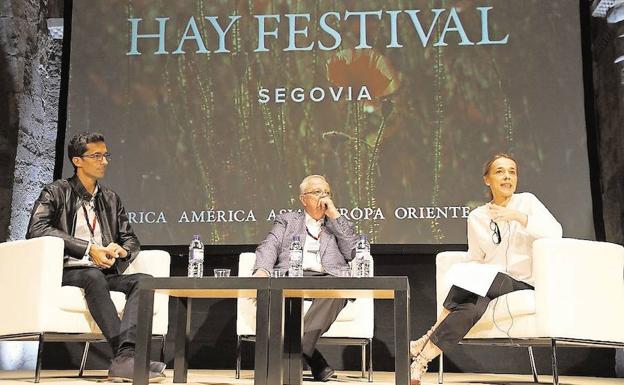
{"x":318,"y":193}
{"x":98,"y":156}
{"x":496,"y":235}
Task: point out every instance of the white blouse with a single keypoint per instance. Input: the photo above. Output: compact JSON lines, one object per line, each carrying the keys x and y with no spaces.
{"x":312,"y":245}
{"x":514,"y":253}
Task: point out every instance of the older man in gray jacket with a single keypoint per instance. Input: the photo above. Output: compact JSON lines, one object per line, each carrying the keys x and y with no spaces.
{"x":329,"y":243}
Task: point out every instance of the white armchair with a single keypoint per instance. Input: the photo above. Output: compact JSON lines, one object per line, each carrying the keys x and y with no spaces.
{"x":354,"y":325}
{"x":579,"y":289}
{"x":36,"y":307}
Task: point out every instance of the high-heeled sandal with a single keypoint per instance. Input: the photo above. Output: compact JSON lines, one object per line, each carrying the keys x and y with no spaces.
{"x":418,"y":367}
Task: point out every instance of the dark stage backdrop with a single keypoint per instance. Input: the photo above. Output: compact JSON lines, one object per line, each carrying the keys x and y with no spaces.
{"x":215,"y":110}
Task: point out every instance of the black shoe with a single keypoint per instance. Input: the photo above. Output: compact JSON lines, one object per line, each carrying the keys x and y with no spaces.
{"x":321,"y":371}
{"x":122,"y":370}
{"x":157,"y":366}
{"x":324,"y":374}
{"x":154,"y":366}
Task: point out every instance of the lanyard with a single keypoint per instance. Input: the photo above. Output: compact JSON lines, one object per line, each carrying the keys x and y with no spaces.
{"x":310,"y":234}
{"x":90,"y":226}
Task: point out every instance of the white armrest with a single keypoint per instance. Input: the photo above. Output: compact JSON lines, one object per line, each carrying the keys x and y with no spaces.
{"x":444,"y":261}
{"x":154,"y":262}
{"x":579,"y":289}
{"x":31,"y":274}
{"x":157,"y":263}
{"x":246,"y":262}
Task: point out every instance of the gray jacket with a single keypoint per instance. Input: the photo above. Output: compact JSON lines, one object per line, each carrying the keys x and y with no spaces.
{"x":337,"y":243}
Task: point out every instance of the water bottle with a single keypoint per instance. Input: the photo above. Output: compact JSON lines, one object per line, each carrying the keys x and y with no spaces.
{"x":362,"y":257}
{"x":196,"y":258}
{"x":295,"y":263}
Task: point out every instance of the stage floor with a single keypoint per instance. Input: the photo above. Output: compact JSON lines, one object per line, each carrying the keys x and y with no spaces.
{"x":226,"y":377}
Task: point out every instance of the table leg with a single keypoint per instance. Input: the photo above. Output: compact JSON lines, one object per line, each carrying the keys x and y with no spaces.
{"x":262,"y":338}
{"x":276,"y":336}
{"x":401,"y":337}
{"x":144,"y":337}
{"x":182,"y":339}
{"x":293,"y":333}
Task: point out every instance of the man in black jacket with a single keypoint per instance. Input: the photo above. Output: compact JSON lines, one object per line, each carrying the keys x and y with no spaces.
{"x":99,"y":246}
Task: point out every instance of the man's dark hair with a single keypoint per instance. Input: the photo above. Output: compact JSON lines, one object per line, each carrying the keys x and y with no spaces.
{"x":78,"y":144}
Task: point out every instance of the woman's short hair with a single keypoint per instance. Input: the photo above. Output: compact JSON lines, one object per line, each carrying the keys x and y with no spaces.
{"x":494,"y":158}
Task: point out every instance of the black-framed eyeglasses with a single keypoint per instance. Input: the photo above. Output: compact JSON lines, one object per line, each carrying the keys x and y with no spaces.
{"x":318,"y":193}
{"x":98,"y":156}
{"x":496,"y":235}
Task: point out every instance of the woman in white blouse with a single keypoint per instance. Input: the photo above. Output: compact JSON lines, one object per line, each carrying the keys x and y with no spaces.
{"x":500,"y":239}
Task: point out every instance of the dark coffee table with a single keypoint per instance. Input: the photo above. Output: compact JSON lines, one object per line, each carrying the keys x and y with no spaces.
{"x":184,"y":290}
{"x":278,"y":319}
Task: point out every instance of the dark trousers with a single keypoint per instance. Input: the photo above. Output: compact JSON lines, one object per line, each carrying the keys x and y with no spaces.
{"x":466,"y":308}
{"x":318,"y":320}
{"x":97,"y":286}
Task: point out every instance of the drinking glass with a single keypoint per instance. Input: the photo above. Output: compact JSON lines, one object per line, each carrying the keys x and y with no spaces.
{"x":221,"y":273}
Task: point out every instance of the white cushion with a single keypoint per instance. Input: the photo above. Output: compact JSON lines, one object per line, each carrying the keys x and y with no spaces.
{"x":517,"y":303}
{"x":346,"y":314}
{"x":522,"y":326}
{"x":504,"y":312}
{"x":72,"y":299}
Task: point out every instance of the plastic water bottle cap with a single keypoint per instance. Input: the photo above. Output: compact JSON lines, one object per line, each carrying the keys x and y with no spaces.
{"x":196,"y":237}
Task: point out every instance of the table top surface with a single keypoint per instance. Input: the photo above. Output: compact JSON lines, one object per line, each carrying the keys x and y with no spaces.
{"x":301,"y":287}
{"x":206,"y":287}
{"x":330,"y":282}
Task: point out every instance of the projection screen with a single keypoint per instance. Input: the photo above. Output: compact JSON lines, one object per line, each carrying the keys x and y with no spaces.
{"x":214,"y":111}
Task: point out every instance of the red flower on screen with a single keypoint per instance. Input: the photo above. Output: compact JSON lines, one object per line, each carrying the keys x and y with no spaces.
{"x":358,"y":68}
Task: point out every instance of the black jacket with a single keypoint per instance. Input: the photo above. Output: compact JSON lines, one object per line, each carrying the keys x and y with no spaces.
{"x":54,"y":214}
